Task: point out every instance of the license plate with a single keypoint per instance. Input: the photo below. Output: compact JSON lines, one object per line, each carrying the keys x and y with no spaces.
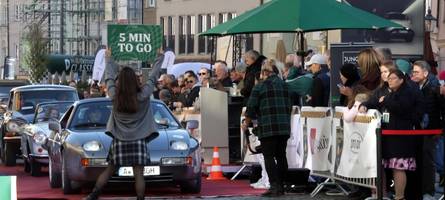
{"x":148,"y":171}
{"x":403,"y":31}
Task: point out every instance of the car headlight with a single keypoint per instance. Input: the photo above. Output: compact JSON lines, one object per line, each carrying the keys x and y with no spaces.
{"x":179,"y":145}
{"x":92,"y":146}
{"x":12,"y":127}
{"x":40,"y":138}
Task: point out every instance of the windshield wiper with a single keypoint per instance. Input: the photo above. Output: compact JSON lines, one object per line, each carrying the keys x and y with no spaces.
{"x":90,"y":125}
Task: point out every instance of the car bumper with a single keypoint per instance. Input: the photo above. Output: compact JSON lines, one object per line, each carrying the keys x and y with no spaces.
{"x":173,"y":174}
{"x":39,"y":158}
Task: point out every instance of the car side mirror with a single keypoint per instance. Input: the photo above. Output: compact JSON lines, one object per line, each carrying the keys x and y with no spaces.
{"x":192,"y":124}
{"x":54,"y":126}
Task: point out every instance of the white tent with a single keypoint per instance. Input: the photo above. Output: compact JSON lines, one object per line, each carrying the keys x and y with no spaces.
{"x":181,"y":68}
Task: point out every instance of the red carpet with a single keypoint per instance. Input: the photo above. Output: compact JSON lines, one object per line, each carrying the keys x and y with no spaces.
{"x":38,"y":188}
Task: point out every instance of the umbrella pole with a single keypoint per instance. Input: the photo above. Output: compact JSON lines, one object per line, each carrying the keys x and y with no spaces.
{"x":302,"y":49}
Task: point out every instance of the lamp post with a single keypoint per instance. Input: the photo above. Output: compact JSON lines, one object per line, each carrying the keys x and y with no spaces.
{"x":427,"y":50}
{"x":429,"y":20}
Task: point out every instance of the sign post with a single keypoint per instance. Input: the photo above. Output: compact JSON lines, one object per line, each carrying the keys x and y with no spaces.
{"x":134,"y":42}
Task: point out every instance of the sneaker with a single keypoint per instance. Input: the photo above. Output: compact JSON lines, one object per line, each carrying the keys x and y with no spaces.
{"x":262,"y":186}
{"x":335,"y":192}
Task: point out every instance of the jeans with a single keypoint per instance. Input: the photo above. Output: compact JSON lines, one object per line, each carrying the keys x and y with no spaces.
{"x":274,"y":152}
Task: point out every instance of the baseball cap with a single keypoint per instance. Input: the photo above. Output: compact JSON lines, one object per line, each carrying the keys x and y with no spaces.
{"x":316,"y":59}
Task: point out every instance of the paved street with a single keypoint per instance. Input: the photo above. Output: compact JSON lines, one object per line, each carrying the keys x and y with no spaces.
{"x":29,"y":187}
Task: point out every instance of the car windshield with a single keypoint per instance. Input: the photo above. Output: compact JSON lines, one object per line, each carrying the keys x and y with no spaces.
{"x":95,"y":116}
{"x":25,"y":101}
{"x":91,"y":116}
{"x":54,"y":111}
{"x":162,"y":116}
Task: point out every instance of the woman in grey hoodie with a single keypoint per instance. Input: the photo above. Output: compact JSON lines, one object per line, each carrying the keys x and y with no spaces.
{"x":130,"y":124}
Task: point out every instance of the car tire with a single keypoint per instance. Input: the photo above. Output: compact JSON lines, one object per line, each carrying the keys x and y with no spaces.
{"x":36,"y":168}
{"x":193,"y":186}
{"x":10,"y":157}
{"x":55,"y":178}
{"x":409,"y":39}
{"x":67,"y":184}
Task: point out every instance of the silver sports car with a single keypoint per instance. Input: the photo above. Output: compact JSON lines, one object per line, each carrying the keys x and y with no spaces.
{"x":79,"y":148}
{"x":35,"y":134}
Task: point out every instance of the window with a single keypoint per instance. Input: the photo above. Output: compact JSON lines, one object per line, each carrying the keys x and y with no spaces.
{"x":150,"y":3}
{"x":182,"y":36}
{"x":171,"y":33}
{"x":191,"y":31}
{"x":202,"y":21}
{"x":164,"y":31}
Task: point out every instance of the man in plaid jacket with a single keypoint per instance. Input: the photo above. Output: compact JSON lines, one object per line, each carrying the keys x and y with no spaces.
{"x":270,"y":103}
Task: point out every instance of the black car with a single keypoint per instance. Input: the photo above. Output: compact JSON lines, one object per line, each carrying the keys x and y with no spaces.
{"x":20,"y":111}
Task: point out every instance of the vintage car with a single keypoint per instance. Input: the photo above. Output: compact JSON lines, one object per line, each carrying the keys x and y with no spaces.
{"x":20,"y":111}
{"x":35,"y":134}
{"x":79,"y":148}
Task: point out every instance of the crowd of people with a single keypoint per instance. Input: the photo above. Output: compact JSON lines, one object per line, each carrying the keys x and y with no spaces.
{"x":409,"y":96}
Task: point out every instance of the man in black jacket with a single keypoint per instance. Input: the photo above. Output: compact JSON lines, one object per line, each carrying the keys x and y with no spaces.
{"x":431,"y":120}
{"x":254,"y":61}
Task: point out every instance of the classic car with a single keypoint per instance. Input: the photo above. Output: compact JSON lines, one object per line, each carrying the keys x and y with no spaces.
{"x":20,"y":111}
{"x":35,"y":134}
{"x":79,"y":148}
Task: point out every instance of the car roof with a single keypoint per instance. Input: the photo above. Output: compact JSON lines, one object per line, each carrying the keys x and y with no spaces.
{"x":104,"y":99}
{"x":43,"y":86}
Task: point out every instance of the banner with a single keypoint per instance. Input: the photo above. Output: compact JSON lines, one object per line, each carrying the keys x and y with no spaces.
{"x":337,"y":141}
{"x":134,"y":42}
{"x":359,"y":157}
{"x":294,"y":150}
{"x":317,"y":137}
{"x":99,"y":65}
{"x":8,"y":187}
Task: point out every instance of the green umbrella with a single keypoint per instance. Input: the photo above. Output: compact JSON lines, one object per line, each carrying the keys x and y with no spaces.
{"x":300,"y":16}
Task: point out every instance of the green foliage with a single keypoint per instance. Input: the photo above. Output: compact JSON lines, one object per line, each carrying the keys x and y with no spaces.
{"x":36,"y":57}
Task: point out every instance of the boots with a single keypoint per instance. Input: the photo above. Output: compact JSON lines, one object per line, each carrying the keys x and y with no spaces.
{"x":94,"y":195}
{"x":140,"y":198}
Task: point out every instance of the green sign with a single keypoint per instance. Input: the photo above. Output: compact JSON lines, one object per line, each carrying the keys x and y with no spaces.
{"x":134,"y":42}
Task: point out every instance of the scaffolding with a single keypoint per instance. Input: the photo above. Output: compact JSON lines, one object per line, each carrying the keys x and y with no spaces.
{"x":74,"y":27}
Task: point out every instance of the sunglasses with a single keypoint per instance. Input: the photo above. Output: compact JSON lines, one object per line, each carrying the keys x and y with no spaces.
{"x":202,"y":73}
{"x":188,"y":81}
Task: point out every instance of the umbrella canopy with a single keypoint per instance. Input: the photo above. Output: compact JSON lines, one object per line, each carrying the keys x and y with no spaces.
{"x":300,"y":16}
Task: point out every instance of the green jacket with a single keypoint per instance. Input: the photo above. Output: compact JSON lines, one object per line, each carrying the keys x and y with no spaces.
{"x":301,"y":85}
{"x":270,"y":103}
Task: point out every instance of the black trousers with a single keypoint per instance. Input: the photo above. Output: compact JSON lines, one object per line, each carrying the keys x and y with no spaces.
{"x":428,"y":165}
{"x":274,"y":152}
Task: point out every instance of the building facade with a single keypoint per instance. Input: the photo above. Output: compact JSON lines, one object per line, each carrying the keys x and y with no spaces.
{"x":438,"y":34}
{"x":182,"y":21}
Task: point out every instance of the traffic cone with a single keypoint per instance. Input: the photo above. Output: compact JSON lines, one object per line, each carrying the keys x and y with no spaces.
{"x":215,"y":170}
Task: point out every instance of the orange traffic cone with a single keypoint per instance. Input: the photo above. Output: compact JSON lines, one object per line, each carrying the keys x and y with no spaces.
{"x":215,"y":170}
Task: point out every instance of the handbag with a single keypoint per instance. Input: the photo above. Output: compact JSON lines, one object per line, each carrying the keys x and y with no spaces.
{"x":254,"y":148}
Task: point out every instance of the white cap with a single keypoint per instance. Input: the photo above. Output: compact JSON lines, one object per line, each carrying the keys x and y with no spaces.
{"x":316,"y":59}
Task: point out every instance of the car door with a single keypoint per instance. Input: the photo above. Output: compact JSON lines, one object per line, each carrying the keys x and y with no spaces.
{"x":56,"y":138}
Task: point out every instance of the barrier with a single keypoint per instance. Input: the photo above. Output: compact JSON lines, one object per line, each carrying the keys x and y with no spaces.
{"x":348,"y":152}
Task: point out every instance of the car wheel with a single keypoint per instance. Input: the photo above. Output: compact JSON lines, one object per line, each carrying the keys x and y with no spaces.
{"x":67,"y":184}
{"x":55,"y":179}
{"x":36,"y":168}
{"x":193,"y":186}
{"x":10,"y":158}
{"x":409,"y":38}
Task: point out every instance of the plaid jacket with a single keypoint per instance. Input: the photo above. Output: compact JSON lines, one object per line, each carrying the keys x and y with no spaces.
{"x":270,"y":103}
